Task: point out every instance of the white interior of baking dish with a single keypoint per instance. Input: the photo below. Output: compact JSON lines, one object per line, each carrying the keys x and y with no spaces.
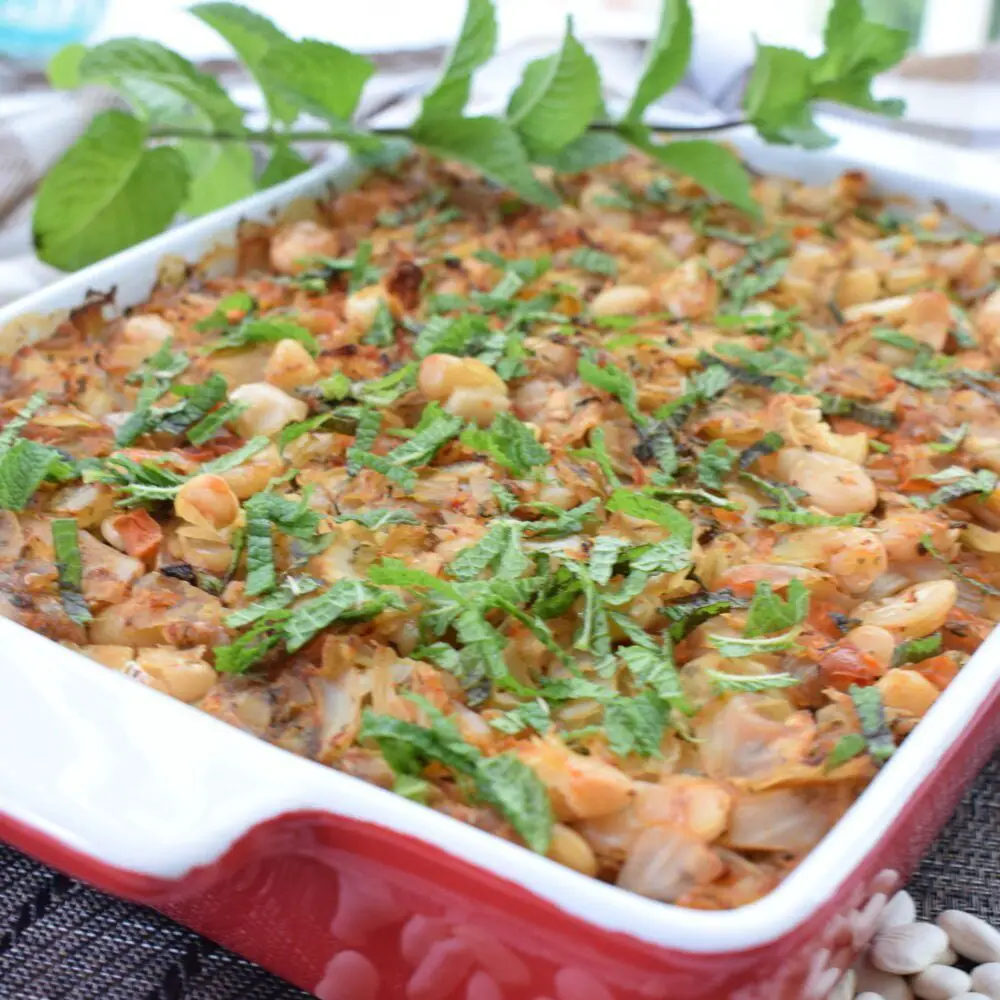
{"x":145,"y":783}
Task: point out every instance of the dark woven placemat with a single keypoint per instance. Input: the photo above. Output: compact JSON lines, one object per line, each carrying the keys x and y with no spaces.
{"x":60,"y":940}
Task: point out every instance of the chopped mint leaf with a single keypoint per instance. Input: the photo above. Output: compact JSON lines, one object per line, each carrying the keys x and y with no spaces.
{"x":509,"y":442}
{"x":69,"y":564}
{"x":725,"y":683}
{"x":715,"y":463}
{"x":685,"y":616}
{"x":138,"y":482}
{"x":604,"y":555}
{"x":871,"y":713}
{"x":435,"y":430}
{"x":292,"y":588}
{"x":235,"y":458}
{"x":264,"y":330}
{"x":647,"y":508}
{"x":594,"y":261}
{"x":849,"y":746}
{"x":376,"y":520}
{"x":251,"y":647}
{"x":611,"y":379}
{"x":959,"y":483}
{"x":915,"y":650}
{"x":736,"y":647}
{"x":353,"y":600}
{"x":950,"y":440}
{"x":382,"y":332}
{"x":214,"y":422}
{"x":12,"y":429}
{"x":531,"y":715}
{"x":769,"y":613}
{"x":636,"y":725}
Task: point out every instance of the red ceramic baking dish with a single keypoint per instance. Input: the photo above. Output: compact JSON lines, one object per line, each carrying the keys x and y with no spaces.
{"x":356,"y":894}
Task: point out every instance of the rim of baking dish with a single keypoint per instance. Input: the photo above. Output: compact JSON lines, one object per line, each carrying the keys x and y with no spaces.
{"x":120,"y":773}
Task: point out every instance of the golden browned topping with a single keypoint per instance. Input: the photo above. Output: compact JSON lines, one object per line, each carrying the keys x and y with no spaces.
{"x":632,"y":531}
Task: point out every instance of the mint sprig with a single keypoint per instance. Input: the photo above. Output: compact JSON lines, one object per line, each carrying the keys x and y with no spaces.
{"x":185,"y":145}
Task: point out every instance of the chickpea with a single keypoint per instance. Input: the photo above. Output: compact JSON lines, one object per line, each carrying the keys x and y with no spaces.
{"x":362,"y":306}
{"x":861,"y":284}
{"x":151,"y":331}
{"x":255,"y":473}
{"x":465,"y":386}
{"x":571,"y":850}
{"x":689,"y":291}
{"x":834,"y":484}
{"x":208,"y":553}
{"x":855,"y":556}
{"x":902,"y":529}
{"x":914,"y":612}
{"x":622,"y":300}
{"x":207,"y":502}
{"x":877,"y":642}
{"x":597,"y":202}
{"x":290,"y":366}
{"x":269,"y":409}
{"x":295,"y":244}
{"x":183,"y":672}
{"x":908,"y":692}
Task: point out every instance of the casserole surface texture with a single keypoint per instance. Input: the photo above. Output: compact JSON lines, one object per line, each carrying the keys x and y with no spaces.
{"x":639,"y":532}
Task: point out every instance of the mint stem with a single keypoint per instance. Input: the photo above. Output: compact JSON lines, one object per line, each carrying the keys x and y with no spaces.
{"x":272,"y":136}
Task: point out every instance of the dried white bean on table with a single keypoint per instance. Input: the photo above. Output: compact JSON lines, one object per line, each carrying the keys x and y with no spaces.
{"x":908,"y":949}
{"x":882,"y":984}
{"x":900,"y":910}
{"x":941,"y":982}
{"x":986,"y":979}
{"x":970,"y":936}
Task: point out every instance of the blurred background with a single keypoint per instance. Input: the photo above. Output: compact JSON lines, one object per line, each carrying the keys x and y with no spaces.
{"x":951,"y":81}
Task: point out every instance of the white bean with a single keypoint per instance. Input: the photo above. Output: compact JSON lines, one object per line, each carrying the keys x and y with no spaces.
{"x":940,"y":982}
{"x":986,"y":979}
{"x":970,"y":936}
{"x":908,"y":949}
{"x":916,"y":611}
{"x":834,"y":484}
{"x":901,"y":909}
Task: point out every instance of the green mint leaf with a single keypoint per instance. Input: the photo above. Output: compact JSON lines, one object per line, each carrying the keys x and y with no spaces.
{"x":848,"y":747}
{"x":240,"y":304}
{"x":284,"y":164}
{"x":767,"y":445}
{"x":670,"y":556}
{"x":290,"y":590}
{"x":198,"y":401}
{"x":351,"y":599}
{"x":451,"y":335}
{"x":856,"y":50}
{"x":292,"y":432}
{"x":138,"y":483}
{"x":473,"y":559}
{"x":319,"y":77}
{"x":604,"y":554}
{"x":647,"y":508}
{"x":636,"y":725}
{"x":12,"y":429}
{"x":509,"y":443}
{"x":949,"y":440}
{"x":595,"y":261}
{"x":63,"y":69}
{"x":666,"y":58}
{"x":778,"y":95}
{"x":531,"y":715}
{"x":248,"y":649}
{"x":251,"y":35}
{"x":725,"y":683}
{"x":507,"y":783}
{"x":736,"y":647}
{"x":915,"y":650}
{"x":803,"y":518}
{"x":612,"y":379}
{"x":871,"y":714}
{"x":592,"y":149}
{"x":558,"y":96}
{"x":435,"y":430}
{"x":221,"y":173}
{"x":265,"y":330}
{"x":840,"y":406}
{"x":476,"y":44}
{"x":235,"y":458}
{"x":958,"y":483}
{"x":686,"y":616}
{"x":382,"y":332}
{"x":558,"y":523}
{"x":718,"y":170}
{"x":261,"y":573}
{"x":598,"y":452}
{"x":654,"y":668}
{"x":215,"y":421}
{"x":715,"y":463}
{"x":489,"y":145}
{"x":23,"y":468}
{"x":769,"y":613}
{"x":376,"y":520}
{"x":408,"y":748}
{"x":106,"y":192}
{"x":69,"y":564}
{"x":365,"y":435}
